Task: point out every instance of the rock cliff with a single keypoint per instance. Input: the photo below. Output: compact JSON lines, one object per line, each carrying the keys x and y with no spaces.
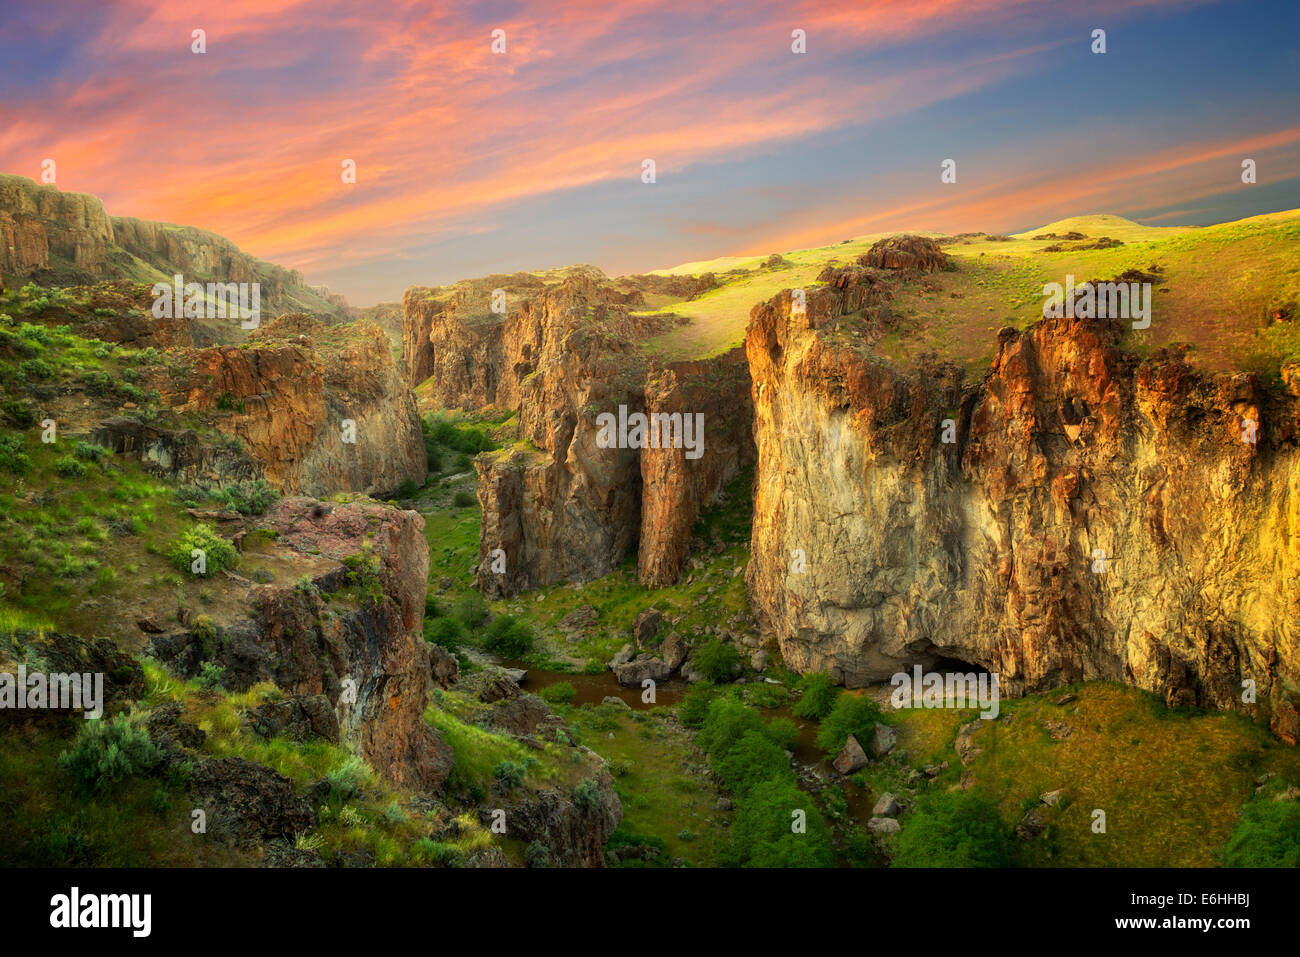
{"x":59,"y":238}
{"x":564,"y":351}
{"x":1095,"y":516}
{"x":322,"y":408}
{"x":362,"y":649}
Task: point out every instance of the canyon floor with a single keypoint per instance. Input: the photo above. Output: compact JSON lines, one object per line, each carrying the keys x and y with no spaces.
{"x":364,"y":590}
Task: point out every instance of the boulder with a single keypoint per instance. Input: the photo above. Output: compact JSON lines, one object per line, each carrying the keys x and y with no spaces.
{"x":1052,"y":797}
{"x":883,"y":825}
{"x":887,"y":806}
{"x":299,"y":718}
{"x":646,"y":627}
{"x":851,"y":758}
{"x":674,"y":651}
{"x":623,"y":656}
{"x":883,"y":740}
{"x":641,"y":668}
{"x":248,"y":804}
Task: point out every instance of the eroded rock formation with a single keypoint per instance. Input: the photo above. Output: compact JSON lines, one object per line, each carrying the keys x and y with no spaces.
{"x":1097,"y":516}
{"x":290,"y":394}
{"x":565,"y":351}
{"x":363,"y":650}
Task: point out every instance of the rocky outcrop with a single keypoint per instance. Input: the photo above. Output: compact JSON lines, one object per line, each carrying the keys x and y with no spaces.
{"x":557,"y":506}
{"x":675,"y":486}
{"x":573,"y":824}
{"x":323,"y":409}
{"x":59,"y":238}
{"x":362,"y":650}
{"x":1097,"y":516}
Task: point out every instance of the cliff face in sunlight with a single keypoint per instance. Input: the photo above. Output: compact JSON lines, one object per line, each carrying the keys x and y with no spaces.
{"x":1097,"y":516}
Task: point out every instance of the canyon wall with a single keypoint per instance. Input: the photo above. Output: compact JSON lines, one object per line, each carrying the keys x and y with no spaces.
{"x":288,"y":395}
{"x":59,"y":238}
{"x":560,"y":507}
{"x":1098,"y":516}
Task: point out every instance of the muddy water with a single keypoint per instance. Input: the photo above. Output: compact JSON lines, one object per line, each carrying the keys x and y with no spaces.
{"x":593,"y":689}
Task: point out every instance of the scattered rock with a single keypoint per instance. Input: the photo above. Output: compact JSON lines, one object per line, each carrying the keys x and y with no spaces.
{"x":758,"y":660}
{"x":578,"y":621}
{"x":851,"y":758}
{"x":646,"y":627}
{"x":1032,"y":824}
{"x":1059,"y":730}
{"x":887,"y":806}
{"x":965,"y":745}
{"x":1052,"y":797}
{"x":615,"y":700}
{"x":883,"y":740}
{"x":444,"y":666}
{"x":149,"y":626}
{"x":1066,"y":699}
{"x":883,"y":825}
{"x":623,"y":656}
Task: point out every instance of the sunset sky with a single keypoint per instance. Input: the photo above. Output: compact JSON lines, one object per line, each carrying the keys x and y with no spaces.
{"x":470,"y":162}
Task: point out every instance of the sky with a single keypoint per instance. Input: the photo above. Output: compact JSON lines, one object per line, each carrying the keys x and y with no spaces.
{"x":470,"y":161}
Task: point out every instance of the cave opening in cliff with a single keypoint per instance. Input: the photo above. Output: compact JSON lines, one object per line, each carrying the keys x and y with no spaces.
{"x":946,"y":664}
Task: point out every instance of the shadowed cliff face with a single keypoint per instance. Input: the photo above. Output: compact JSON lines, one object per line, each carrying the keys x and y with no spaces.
{"x":1097,"y":517}
{"x":558,"y":505}
{"x":289,"y":395}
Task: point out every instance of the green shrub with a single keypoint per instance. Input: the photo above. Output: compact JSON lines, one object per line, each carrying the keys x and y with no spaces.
{"x":586,"y":795}
{"x":753,"y":759}
{"x":70,"y":467}
{"x":12,"y":457}
{"x":348,"y":780}
{"x":762,"y":834}
{"x":537,"y":854}
{"x":1267,"y":835}
{"x":18,"y":413}
{"x":694,"y":707}
{"x":432,"y":607}
{"x":728,"y":721}
{"x":783,"y":732}
{"x":508,"y":636}
{"x":471,"y":609}
{"x":464,"y":499}
{"x":109,"y":751}
{"x":952,"y":829}
{"x":562,"y":692}
{"x":717,"y":660}
{"x":407,"y":489}
{"x":88,"y":451}
{"x":446,"y":633}
{"x":252,"y":497}
{"x":218,"y":552}
{"x":850,"y":715}
{"x":36,"y":369}
{"x":211,"y":675}
{"x":817,"y":697}
{"x":509,"y":773}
